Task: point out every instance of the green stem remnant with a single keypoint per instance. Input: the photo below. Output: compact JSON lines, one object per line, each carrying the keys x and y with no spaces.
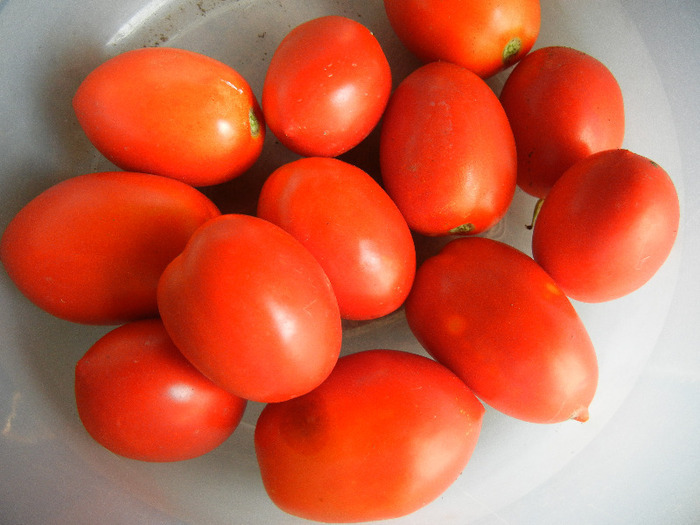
{"x":254,"y":124}
{"x":510,"y":52}
{"x":462,"y":229}
{"x":535,"y":213}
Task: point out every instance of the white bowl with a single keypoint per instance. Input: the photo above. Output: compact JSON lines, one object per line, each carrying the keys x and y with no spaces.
{"x":635,"y":461}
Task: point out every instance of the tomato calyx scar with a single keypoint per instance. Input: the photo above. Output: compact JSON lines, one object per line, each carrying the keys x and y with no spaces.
{"x":462,"y":229}
{"x":511,"y":50}
{"x":254,"y":123}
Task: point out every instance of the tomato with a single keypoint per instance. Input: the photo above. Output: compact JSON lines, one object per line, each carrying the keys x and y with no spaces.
{"x":140,"y":398}
{"x":345,"y":218}
{"x":607,"y":226}
{"x":384,"y":435}
{"x":493,"y":316}
{"x":481,"y":35}
{"x":326,"y":87}
{"x":447,"y":153}
{"x":563,"y":105}
{"x":172,"y":112}
{"x":91,"y":248}
{"x":252,"y":309}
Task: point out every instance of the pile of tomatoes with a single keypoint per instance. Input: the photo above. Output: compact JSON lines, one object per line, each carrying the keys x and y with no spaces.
{"x":215,"y":310}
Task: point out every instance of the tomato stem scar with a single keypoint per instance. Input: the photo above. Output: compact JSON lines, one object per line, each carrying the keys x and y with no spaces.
{"x":462,"y":229}
{"x":254,"y":124}
{"x":510,"y":52}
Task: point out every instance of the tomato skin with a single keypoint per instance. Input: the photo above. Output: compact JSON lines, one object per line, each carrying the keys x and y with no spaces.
{"x":447,"y":153}
{"x":494,"y":317}
{"x":345,"y":218}
{"x":172,"y":112}
{"x":326,"y":87}
{"x":252,"y":309}
{"x":563,"y":105}
{"x":384,"y":435}
{"x":140,"y":398}
{"x":483,"y":37}
{"x":607,"y":225}
{"x":91,"y":248}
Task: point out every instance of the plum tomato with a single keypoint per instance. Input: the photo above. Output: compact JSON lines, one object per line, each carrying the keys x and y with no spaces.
{"x":447,"y":153}
{"x":607,"y":226}
{"x":563,"y":105}
{"x":354,"y":229}
{"x":252,"y":309}
{"x":172,"y":112}
{"x":483,"y":36}
{"x":326,"y":87}
{"x":140,"y":398}
{"x":384,"y":435}
{"x":91,"y":248}
{"x":493,"y":316}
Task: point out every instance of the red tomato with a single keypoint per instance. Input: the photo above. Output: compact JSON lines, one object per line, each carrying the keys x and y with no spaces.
{"x":252,"y":309}
{"x":344,"y":217}
{"x":447,"y":153}
{"x":493,"y":316}
{"x":91,"y":248}
{"x":563,"y":105}
{"x":481,"y":35}
{"x":607,"y":225}
{"x":384,"y":435}
{"x":172,"y":112}
{"x":140,"y":398}
{"x":326,"y":86}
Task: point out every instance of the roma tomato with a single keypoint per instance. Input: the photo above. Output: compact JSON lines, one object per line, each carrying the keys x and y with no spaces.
{"x":354,"y":229}
{"x":447,"y":152}
{"x":563,"y":105}
{"x":172,"y":112}
{"x":252,"y":309}
{"x":384,"y":435}
{"x":493,"y":316}
{"x":607,"y":225}
{"x":91,"y":248}
{"x":481,"y":35}
{"x":326,"y":86}
{"x":140,"y":398}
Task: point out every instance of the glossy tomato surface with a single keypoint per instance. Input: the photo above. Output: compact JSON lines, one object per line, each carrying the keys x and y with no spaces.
{"x":139,"y":397}
{"x":563,"y":105}
{"x":447,"y":152}
{"x":91,"y":249}
{"x":252,"y":309}
{"x":607,"y":225}
{"x":384,"y":435}
{"x":354,"y":229}
{"x":481,"y":35}
{"x":326,"y":86}
{"x":492,"y":315}
{"x":172,"y":112}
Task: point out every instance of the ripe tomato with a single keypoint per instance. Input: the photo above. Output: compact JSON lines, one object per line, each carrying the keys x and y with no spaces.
{"x":607,"y":225}
{"x":384,"y":435}
{"x":326,"y":86}
{"x":172,"y":112}
{"x":563,"y":105}
{"x":493,"y":316}
{"x":140,"y":398}
{"x":252,"y":309}
{"x":344,"y":217}
{"x":447,"y":153}
{"x":91,"y":248}
{"x":481,"y":35}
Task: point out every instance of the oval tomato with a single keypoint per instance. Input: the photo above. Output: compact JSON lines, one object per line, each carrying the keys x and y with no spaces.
{"x":140,"y":398}
{"x":563,"y":105}
{"x":481,"y":35}
{"x":172,"y":112}
{"x":384,"y":435}
{"x":326,"y":86}
{"x":354,"y":229}
{"x":91,"y":248}
{"x":493,"y":316}
{"x":252,"y":309}
{"x":447,"y":153}
{"x":607,"y":225}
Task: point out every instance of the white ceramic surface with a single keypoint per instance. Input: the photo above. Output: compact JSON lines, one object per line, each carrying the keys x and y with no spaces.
{"x":635,"y":461}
